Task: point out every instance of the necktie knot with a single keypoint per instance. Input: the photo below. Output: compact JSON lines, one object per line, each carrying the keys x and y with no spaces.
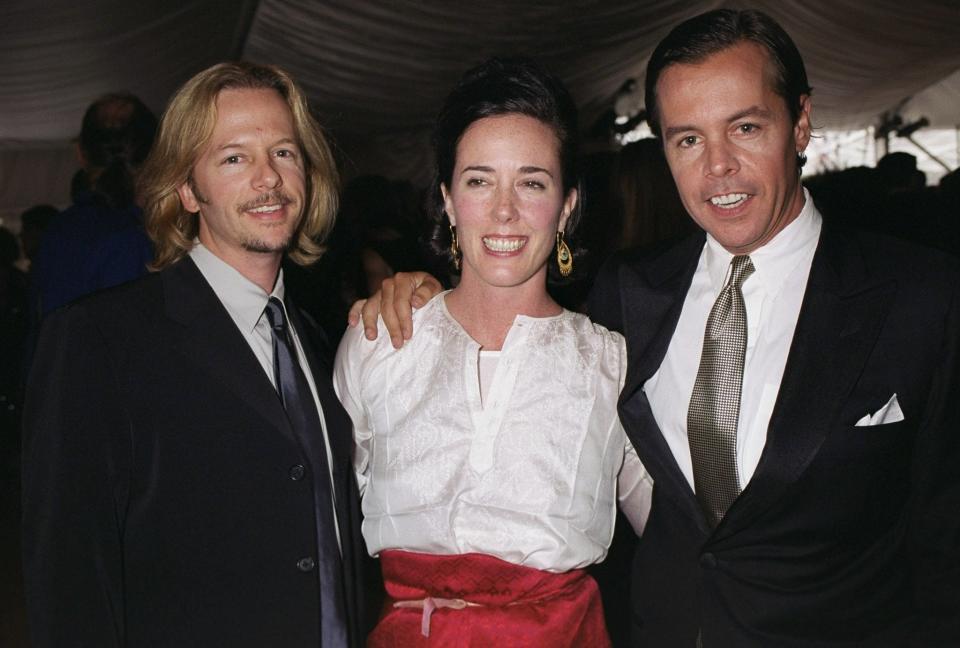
{"x":741,"y":267}
{"x":275,"y":315}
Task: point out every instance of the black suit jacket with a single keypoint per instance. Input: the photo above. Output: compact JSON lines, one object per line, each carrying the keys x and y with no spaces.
{"x":844,"y":534}
{"x":165,"y":497}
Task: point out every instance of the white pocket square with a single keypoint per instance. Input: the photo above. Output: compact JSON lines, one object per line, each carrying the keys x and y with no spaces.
{"x":889,"y":413}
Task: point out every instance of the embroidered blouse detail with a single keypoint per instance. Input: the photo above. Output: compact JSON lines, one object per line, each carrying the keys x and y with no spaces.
{"x":529,"y":476}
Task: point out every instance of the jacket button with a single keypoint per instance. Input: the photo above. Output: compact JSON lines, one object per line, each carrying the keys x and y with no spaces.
{"x":708,"y":560}
{"x":297,"y":472}
{"x":306,"y":564}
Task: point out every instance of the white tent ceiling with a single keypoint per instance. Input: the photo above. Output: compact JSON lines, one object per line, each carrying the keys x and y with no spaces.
{"x":377,"y":71}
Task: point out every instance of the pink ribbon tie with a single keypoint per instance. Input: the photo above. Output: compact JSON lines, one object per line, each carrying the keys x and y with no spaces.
{"x":429,"y":604}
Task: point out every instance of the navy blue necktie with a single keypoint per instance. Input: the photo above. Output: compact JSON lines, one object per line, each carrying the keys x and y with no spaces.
{"x":304,"y":419}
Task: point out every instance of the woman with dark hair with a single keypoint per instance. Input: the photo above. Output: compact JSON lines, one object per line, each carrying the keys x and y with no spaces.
{"x":99,"y":241}
{"x":115,"y":139}
{"x":489,"y":449}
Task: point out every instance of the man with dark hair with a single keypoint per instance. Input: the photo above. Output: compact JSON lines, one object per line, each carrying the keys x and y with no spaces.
{"x":793,"y":388}
{"x":898,"y":173}
{"x":187,"y":471}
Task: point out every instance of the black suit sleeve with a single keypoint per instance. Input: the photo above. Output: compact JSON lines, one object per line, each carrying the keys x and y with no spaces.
{"x":75,"y":456}
{"x":934,"y":537}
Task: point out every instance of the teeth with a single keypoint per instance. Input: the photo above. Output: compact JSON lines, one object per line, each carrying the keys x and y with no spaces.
{"x":266,"y":209}
{"x":503,"y":245}
{"x":728,"y":201}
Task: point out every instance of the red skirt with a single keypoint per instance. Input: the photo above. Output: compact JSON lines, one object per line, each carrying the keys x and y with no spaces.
{"x":478,"y":600}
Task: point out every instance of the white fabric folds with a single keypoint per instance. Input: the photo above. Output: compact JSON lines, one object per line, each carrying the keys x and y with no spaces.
{"x":530,"y":478}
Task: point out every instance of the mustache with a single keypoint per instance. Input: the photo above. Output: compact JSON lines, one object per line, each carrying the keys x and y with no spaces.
{"x":270,"y":198}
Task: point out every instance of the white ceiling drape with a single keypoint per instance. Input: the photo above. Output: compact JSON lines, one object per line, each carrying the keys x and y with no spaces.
{"x":376,"y":71}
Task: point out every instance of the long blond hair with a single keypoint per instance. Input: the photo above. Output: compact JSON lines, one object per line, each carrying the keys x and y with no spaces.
{"x":185,"y":130}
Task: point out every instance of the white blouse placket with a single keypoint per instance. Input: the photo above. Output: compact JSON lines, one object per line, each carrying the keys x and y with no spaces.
{"x":488,"y":420}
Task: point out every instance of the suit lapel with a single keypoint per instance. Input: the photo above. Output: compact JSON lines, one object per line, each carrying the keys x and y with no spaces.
{"x":210,"y":339}
{"x":206,"y":334}
{"x":840,"y":318}
{"x":337,"y":421}
{"x":653,"y":297}
{"x":339,"y":432}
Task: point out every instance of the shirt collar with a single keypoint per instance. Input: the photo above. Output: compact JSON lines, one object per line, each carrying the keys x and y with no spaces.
{"x":774,"y":261}
{"x":243,"y":299}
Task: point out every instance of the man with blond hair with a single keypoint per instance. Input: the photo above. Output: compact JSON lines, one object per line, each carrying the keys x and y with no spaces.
{"x":186,"y":471}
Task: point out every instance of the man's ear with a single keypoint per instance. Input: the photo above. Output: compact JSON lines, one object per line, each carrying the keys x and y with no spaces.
{"x":188,"y":198}
{"x":802,"y":129}
{"x":448,"y":204}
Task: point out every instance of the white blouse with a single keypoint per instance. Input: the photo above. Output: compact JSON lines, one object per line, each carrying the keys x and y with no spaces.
{"x":530,"y":476}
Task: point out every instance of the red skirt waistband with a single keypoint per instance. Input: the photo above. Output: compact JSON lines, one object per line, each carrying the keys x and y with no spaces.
{"x":477,"y":600}
{"x":479,"y":578}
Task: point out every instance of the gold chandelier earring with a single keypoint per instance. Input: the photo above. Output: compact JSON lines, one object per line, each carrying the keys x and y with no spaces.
{"x":564,"y":257}
{"x":454,"y":248}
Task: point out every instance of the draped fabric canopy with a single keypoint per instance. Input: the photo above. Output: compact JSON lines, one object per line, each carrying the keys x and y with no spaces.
{"x":376,"y":71}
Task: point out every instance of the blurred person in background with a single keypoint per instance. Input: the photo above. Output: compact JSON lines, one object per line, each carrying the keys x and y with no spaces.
{"x":99,"y":241}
